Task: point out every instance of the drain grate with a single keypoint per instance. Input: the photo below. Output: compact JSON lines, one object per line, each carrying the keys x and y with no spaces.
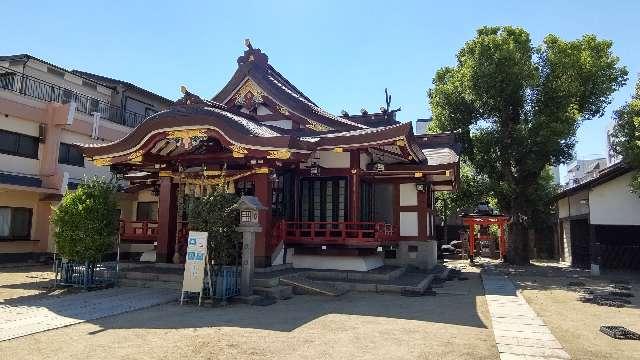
{"x":621,"y":287}
{"x":619,"y":332}
{"x":620,"y":293}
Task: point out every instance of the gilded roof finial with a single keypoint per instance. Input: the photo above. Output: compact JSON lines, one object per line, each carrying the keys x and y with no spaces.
{"x":247,"y":43}
{"x":183,"y":89}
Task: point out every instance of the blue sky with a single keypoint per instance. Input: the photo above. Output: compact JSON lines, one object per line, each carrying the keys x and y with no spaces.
{"x":342,"y":54}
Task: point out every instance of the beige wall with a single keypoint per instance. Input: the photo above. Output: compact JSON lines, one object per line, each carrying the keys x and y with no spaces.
{"x":572,"y":203}
{"x":330,"y":159}
{"x":26,"y":199}
{"x":611,"y":203}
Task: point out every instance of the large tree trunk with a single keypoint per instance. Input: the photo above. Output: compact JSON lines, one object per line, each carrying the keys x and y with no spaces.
{"x":517,"y":243}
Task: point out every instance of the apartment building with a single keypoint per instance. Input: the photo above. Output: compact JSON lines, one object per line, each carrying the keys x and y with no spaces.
{"x":44,"y":111}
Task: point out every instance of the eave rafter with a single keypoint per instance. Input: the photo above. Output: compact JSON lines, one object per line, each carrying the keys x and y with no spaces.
{"x":178,"y":144}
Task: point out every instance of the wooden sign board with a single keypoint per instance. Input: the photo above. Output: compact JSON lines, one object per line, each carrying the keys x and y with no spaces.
{"x":195,"y":265}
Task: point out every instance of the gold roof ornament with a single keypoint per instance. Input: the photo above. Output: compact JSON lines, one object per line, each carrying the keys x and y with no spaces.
{"x":283,"y":110}
{"x":183,"y":89}
{"x":187,"y":137}
{"x":136,"y":157}
{"x":103,"y":161}
{"x":279,"y":154}
{"x":249,"y":87}
{"x":238,"y":151}
{"x":316,"y":126}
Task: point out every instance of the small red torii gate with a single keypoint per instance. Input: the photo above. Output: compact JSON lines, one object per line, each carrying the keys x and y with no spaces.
{"x":481,"y":219}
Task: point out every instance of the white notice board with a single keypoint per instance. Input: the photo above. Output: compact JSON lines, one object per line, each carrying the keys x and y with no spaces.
{"x":196,"y":261}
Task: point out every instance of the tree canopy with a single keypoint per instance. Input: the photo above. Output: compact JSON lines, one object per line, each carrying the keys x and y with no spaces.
{"x":517,"y":108}
{"x":626,"y":135}
{"x":216,"y":215}
{"x":86,"y":221}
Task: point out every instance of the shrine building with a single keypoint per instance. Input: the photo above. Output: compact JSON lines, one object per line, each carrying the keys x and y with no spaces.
{"x":341,"y":192}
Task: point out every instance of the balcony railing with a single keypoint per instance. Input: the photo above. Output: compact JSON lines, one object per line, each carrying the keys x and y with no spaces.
{"x":146,"y":231}
{"x":343,"y":233}
{"x":29,"y":86}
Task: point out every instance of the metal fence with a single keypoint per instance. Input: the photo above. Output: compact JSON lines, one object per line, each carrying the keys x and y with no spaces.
{"x":226,"y":282}
{"x":85,"y":275}
{"x":26,"y":85}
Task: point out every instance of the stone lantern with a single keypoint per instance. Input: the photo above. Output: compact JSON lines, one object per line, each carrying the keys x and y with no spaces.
{"x":249,"y":207}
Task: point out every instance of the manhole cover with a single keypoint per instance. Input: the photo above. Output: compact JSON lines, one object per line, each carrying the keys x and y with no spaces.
{"x":604,"y":300}
{"x":619,"y":332}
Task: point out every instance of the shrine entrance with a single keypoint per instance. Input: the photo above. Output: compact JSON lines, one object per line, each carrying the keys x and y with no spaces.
{"x":484,"y":217}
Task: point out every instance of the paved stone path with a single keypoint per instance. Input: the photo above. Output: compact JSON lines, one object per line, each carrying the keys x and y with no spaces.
{"x":519,"y":332}
{"x":29,"y":317}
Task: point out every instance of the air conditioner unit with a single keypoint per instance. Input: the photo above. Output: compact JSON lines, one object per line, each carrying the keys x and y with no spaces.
{"x":42,"y":133}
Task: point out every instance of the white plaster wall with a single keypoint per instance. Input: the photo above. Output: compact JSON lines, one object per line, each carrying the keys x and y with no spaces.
{"x":330,"y":159}
{"x":573,"y":205}
{"x":612,"y":204}
{"x":566,"y":241}
{"x":263,"y":110}
{"x":365,"y":159}
{"x":285,"y":124}
{"x":408,"y":194}
{"x":408,"y":223}
{"x":355,"y":263}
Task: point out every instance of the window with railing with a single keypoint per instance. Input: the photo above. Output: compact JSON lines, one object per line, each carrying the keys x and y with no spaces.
{"x":38,"y":89}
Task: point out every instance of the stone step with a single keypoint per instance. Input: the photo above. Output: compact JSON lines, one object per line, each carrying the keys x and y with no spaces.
{"x":148,"y":276}
{"x":279,"y":292}
{"x":150,"y":284}
{"x":304,"y":286}
{"x":266,"y":282}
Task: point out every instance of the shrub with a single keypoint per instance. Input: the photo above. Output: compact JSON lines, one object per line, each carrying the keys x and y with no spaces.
{"x":216,"y":215}
{"x":86,"y":221}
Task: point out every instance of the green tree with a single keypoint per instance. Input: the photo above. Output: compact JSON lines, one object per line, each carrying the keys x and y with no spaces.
{"x":86,"y":221}
{"x":517,"y":109}
{"x":472,"y":189}
{"x":216,"y":215}
{"x":626,"y":135}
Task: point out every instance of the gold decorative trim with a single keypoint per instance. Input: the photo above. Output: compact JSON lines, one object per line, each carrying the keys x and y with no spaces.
{"x":249,"y":87}
{"x":136,"y":156}
{"x":401,"y":143}
{"x":338,"y":150}
{"x":165,"y":173}
{"x":103,"y":161}
{"x":187,"y":137}
{"x":238,"y":151}
{"x":262,"y":170}
{"x":279,"y":154}
{"x":316,"y":126}
{"x":418,"y":174}
{"x":283,"y":110}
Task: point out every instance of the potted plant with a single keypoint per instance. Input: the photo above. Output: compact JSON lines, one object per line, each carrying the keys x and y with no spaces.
{"x":86,"y":227}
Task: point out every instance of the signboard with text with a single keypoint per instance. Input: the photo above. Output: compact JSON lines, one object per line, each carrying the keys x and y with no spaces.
{"x":195,"y":262}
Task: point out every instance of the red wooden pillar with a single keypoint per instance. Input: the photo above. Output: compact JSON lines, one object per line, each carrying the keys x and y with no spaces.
{"x":423,"y":214}
{"x":354,"y":182}
{"x":263,"y":193}
{"x":167,"y":215}
{"x":472,"y":239}
{"x":502,"y":239}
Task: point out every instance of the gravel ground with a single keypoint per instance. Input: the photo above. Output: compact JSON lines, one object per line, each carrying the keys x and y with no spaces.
{"x":576,"y":324}
{"x":454,"y":325}
{"x":26,"y":281}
